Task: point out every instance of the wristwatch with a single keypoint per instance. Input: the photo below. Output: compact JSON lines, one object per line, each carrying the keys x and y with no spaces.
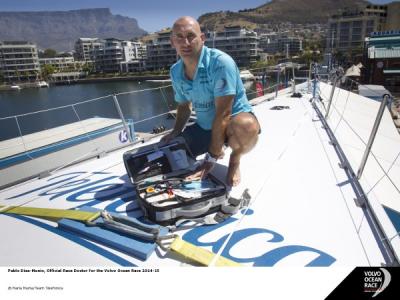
{"x":210,"y":159}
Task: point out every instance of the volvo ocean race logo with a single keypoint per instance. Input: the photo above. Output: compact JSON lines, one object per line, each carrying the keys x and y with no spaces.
{"x":376,"y":281}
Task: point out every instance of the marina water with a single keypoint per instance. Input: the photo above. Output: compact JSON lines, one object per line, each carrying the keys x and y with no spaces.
{"x":151,"y":99}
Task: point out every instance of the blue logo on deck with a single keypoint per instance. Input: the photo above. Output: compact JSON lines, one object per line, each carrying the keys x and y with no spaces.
{"x":268,"y":258}
{"x":92,"y":189}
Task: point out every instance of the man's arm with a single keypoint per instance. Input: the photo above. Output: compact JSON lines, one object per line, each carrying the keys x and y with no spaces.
{"x":223,"y":111}
{"x":183,"y":113}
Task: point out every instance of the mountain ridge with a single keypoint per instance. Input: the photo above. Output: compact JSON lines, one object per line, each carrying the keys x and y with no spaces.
{"x":277,"y":11}
{"x":60,"y":29}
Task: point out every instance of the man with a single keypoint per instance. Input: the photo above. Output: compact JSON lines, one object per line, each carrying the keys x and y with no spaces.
{"x":208,"y":80}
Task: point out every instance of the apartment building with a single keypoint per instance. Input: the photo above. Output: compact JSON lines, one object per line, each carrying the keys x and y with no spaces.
{"x":19,"y":61}
{"x":241,"y":44}
{"x":160,"y":54}
{"x":59,"y":63}
{"x":135,"y":55}
{"x":348,"y":30}
{"x":116,"y":55}
{"x":274,"y":43}
{"x":84,"y":48}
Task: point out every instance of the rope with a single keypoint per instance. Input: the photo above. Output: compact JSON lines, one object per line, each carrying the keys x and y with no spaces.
{"x":166,"y":102}
{"x":74,"y":160}
{"x":23,"y":142}
{"x":144,"y":90}
{"x":341,"y":114}
{"x":83,"y":127}
{"x":55,"y":108}
{"x":82,"y":102}
{"x":385,"y":173}
{"x":153,"y":117}
{"x":372,"y":153}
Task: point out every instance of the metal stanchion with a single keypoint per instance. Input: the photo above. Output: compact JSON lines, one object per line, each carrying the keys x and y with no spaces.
{"x":277,"y":82}
{"x":335,"y":80}
{"x":122,"y":118}
{"x":372,"y":136}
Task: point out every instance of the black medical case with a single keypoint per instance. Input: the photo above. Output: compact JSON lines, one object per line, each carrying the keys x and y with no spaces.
{"x":158,"y":173}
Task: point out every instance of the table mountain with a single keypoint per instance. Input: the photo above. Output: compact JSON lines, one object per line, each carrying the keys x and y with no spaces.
{"x":60,"y":29}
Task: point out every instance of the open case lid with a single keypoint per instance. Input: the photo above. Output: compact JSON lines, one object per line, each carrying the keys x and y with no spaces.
{"x":158,"y":159}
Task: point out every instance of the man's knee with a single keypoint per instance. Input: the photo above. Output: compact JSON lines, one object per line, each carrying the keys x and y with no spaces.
{"x":243,"y":132}
{"x":244,"y":125}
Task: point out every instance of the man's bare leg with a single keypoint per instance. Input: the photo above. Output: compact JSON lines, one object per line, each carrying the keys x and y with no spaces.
{"x":242,"y":133}
{"x":233,"y":175}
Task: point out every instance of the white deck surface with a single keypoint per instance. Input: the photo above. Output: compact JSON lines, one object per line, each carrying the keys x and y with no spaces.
{"x":50,"y":136}
{"x":302,"y":214}
{"x":298,"y":214}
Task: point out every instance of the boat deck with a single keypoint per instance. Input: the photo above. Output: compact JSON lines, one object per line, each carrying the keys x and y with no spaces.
{"x":302,"y":211}
{"x":54,"y":135}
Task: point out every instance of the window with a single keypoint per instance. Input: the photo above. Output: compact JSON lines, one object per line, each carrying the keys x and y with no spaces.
{"x":345,"y":25}
{"x":370,"y":23}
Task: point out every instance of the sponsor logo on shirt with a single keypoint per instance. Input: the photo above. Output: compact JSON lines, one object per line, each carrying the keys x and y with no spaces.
{"x":220,"y":84}
{"x":203,"y":105}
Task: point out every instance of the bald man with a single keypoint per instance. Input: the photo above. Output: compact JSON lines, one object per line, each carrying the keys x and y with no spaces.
{"x":208,"y":81}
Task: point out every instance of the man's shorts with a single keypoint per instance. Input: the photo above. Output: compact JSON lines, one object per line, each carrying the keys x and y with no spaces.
{"x":199,"y":139}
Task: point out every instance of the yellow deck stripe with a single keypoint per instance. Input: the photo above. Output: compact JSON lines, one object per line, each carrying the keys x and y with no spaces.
{"x":200,"y":255}
{"x":50,"y":213}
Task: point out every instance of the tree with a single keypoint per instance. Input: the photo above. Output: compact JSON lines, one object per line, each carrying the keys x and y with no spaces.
{"x":47,"y":70}
{"x":64,"y":54}
{"x":88,"y":68}
{"x":36,"y":74}
{"x":25,"y":75}
{"x":49,"y":53}
{"x":263,"y":63}
{"x":18,"y":75}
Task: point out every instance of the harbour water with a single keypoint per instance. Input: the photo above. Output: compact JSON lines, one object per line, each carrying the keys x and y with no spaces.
{"x":156,"y":99}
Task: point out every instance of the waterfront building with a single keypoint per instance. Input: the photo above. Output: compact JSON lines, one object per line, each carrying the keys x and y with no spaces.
{"x":133,"y":66}
{"x":382,"y":59}
{"x":67,"y":76}
{"x":134,"y":58}
{"x":19,"y":61}
{"x":59,"y":63}
{"x":84,"y":48}
{"x":269,"y":42}
{"x":160,"y":54}
{"x":240,"y":43}
{"x":116,"y":55}
{"x":274,"y":43}
{"x":348,"y":30}
{"x":65,"y":68}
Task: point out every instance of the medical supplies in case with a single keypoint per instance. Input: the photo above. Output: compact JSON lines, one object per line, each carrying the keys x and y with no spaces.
{"x":159,"y":172}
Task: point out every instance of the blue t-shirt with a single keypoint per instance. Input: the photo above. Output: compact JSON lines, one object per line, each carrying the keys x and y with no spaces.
{"x":216,"y":75}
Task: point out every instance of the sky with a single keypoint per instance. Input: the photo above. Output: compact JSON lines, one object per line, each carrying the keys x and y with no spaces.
{"x":152,"y":15}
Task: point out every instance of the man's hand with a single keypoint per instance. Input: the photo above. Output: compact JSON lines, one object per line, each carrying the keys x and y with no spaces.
{"x":183,"y":112}
{"x":202,"y":171}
